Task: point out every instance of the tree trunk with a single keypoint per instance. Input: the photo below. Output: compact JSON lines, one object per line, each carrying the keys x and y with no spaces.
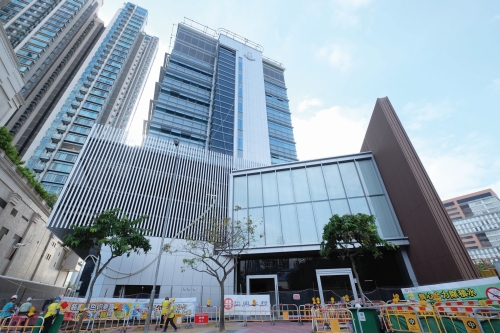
{"x":91,"y":287}
{"x":357,"y":280}
{"x":98,"y":272}
{"x":222,"y":326}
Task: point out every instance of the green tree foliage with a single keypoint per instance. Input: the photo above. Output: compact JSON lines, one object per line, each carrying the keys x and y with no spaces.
{"x":351,"y":235}
{"x":218,"y":251}
{"x":12,"y":153}
{"x":119,"y":234}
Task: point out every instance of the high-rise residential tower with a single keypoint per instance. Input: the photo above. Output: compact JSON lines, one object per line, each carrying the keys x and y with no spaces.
{"x":51,"y":39}
{"x":217,"y":91}
{"x":116,"y":66}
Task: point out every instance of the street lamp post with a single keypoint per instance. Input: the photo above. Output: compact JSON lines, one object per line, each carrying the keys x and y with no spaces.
{"x":164,"y":234}
{"x":162,"y":247}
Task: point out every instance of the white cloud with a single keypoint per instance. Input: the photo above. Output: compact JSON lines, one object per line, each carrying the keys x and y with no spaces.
{"x":458,"y":170}
{"x":496,"y":84}
{"x":331,"y":132}
{"x":346,"y":11}
{"x":420,"y":113}
{"x":338,"y":56}
{"x":308,"y":103}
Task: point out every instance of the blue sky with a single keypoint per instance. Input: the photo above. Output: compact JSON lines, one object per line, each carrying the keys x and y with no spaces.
{"x":437,"y":61}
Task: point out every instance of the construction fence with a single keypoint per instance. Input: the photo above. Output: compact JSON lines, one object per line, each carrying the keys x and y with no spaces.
{"x":441,"y":317}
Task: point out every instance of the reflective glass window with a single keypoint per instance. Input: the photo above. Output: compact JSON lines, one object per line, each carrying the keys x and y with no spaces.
{"x":290,"y":227}
{"x":322,"y":213}
{"x":307,"y":225}
{"x":257,"y":217}
{"x":254,"y":191}
{"x":240,"y":192}
{"x":333,"y":181}
{"x":316,"y":183}
{"x":370,"y":177}
{"x":385,"y":219}
{"x":351,"y":180}
{"x":272,"y":226}
{"x":269,"y":189}
{"x":340,"y":207}
{"x":285,"y":187}
{"x":300,"y":185}
{"x":359,"y":205}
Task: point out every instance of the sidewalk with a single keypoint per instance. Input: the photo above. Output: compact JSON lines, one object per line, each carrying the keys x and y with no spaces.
{"x":253,"y":327}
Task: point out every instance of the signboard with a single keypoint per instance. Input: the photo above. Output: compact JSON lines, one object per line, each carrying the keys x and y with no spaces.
{"x":125,"y":308}
{"x":241,"y":304}
{"x":464,"y":290}
{"x":201,"y":318}
{"x":296,"y":297}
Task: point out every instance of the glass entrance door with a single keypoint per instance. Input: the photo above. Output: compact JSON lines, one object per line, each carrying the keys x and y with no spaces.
{"x":264,"y":284}
{"x":335,"y":283}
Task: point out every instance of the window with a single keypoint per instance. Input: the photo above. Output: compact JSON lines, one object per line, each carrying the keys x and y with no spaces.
{"x":4,"y":231}
{"x":13,"y":212}
{"x":3,"y":203}
{"x":47,"y":256}
{"x":25,"y":218}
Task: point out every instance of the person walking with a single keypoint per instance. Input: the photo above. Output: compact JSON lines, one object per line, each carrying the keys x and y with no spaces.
{"x":9,"y":308}
{"x":165,"y":305}
{"x":24,"y":309}
{"x":52,"y":311}
{"x":170,"y":316}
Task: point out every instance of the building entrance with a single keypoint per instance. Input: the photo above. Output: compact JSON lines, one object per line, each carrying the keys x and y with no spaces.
{"x":264,"y":284}
{"x":335,"y":283}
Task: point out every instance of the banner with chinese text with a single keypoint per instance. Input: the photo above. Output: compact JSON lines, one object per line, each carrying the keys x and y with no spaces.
{"x":487,"y":288}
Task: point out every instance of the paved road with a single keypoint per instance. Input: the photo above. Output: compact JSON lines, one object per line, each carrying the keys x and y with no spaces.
{"x":253,"y":327}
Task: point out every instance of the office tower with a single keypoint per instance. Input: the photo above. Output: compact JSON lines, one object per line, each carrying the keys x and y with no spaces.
{"x":51,"y":39}
{"x":217,"y":91}
{"x":119,"y":51}
{"x":459,"y":208}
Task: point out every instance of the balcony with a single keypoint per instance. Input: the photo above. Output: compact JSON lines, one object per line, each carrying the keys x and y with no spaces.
{"x":66,"y":120}
{"x":87,"y":83}
{"x":56,"y":137}
{"x":45,"y":156}
{"x":62,"y":128}
{"x":97,"y":66}
{"x":39,"y":167}
{"x":50,"y":146}
{"x":75,"y":104}
{"x":79,"y":97}
{"x":84,"y":90}
{"x":70,"y":112}
{"x":90,"y":77}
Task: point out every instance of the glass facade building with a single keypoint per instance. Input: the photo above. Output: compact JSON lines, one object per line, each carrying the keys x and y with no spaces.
{"x":294,"y":201}
{"x":98,"y":84}
{"x":217,"y":91}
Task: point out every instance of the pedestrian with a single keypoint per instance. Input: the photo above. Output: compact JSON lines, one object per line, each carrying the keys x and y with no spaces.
{"x":164,"y":310}
{"x":25,"y":308}
{"x":9,"y":308}
{"x":52,"y":311}
{"x":170,"y":316}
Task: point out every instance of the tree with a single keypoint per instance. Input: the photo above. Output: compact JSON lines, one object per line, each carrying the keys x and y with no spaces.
{"x":218,"y":250}
{"x":12,"y":153}
{"x":351,"y":235}
{"x":120,"y":234}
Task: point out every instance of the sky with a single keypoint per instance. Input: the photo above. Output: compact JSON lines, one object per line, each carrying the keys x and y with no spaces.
{"x":437,"y":61}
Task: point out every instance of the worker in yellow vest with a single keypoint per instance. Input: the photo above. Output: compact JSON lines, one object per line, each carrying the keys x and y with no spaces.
{"x":52,"y":311}
{"x":165,"y":305}
{"x":170,"y":316}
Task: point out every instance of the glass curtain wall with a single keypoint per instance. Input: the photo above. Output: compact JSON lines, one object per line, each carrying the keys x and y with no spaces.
{"x":292,"y":205}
